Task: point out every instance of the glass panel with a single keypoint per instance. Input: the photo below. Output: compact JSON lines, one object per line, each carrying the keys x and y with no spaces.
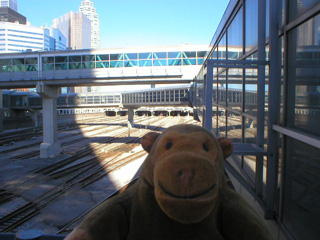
{"x":96,"y":99}
{"x":174,"y":62}
{"x":222,"y":98}
{"x":304,"y":77}
{"x":183,"y":95}
{"x":5,"y":61}
{"x":301,"y":213}
{"x":250,"y":131}
{"x":145,"y":55}
{"x":174,"y":54}
{"x":234,"y":127}
{"x":189,"y":62}
{"x":102,"y":64}
{"x":61,"y":66}
{"x":115,"y":64}
{"x":48,"y":60}
{"x":158,"y":96}
{"x":32,"y":67}
{"x":171,"y":93}
{"x":162,"y":99}
{"x":267,"y":17}
{"x":157,"y":55}
{"x":251,"y":88}
{"x":18,"y":68}
{"x":221,"y":131}
{"x":31,"y":61}
{"x":167,"y":96}
{"x":154,"y":97}
{"x":4,"y":68}
{"x":88,"y":65}
{"x":118,"y":56}
{"x":130,"y":63}
{"x":235,"y":32}
{"x":222,"y":48}
{"x":189,"y":54}
{"x":74,"y":58}
{"x":145,"y":63}
{"x":160,"y":62}
{"x":104,"y":57}
{"x":75,"y":65}
{"x":88,"y":58}
{"x":82,"y":100}
{"x":176,"y":95}
{"x":18,"y":61}
{"x":235,"y":89}
{"x":48,"y":67}
{"x":200,"y":61}
{"x":201,"y":54}
{"x":251,"y":28}
{"x":214,"y":54}
{"x":89,"y":99}
{"x":130,"y":56}
{"x":298,"y":7}
{"x":61,"y":59}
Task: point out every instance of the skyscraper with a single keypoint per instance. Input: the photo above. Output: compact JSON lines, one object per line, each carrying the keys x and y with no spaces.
{"x":76,"y":27}
{"x":9,"y":12}
{"x":10,"y":4}
{"x":88,"y":10}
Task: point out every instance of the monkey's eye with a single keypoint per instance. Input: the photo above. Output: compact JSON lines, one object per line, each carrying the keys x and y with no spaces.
{"x":205,"y":147}
{"x":169,"y":145}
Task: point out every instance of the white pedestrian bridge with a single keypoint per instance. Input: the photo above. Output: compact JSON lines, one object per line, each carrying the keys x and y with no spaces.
{"x":145,"y":65}
{"x":48,"y":71}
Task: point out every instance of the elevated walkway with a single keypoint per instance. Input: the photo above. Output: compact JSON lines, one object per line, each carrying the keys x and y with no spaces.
{"x":172,"y":64}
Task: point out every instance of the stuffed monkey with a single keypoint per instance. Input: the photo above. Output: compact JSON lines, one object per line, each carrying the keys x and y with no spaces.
{"x":181,"y":194}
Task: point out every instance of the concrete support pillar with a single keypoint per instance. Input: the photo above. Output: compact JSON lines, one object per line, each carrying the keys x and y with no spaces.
{"x":35,"y":116}
{"x":50,"y":148}
{"x":130,"y":118}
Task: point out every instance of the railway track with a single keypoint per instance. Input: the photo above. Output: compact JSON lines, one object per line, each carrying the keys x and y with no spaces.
{"x":76,"y":172}
{"x":29,"y":210}
{"x":65,"y":128}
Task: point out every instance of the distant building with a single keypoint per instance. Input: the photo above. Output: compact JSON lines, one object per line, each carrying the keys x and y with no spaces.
{"x":18,"y":38}
{"x":9,"y":15}
{"x":60,"y":41}
{"x":76,"y":27}
{"x":88,"y":10}
{"x":10,"y":4}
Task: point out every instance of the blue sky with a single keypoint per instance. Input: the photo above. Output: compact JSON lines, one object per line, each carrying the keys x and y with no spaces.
{"x":131,"y":23}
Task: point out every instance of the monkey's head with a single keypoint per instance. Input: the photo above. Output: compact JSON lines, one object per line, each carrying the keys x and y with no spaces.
{"x":185,"y":166}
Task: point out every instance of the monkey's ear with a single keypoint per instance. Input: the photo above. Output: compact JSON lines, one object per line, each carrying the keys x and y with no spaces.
{"x":148,"y":140}
{"x":226,"y":146}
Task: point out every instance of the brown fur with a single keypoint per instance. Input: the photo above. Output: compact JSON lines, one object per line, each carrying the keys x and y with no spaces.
{"x":181,"y":194}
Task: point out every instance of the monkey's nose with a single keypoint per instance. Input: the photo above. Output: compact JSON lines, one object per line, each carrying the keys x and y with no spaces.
{"x":186,"y":176}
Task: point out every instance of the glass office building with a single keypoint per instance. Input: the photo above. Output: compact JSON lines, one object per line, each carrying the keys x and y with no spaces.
{"x":260,"y":87}
{"x":20,"y":37}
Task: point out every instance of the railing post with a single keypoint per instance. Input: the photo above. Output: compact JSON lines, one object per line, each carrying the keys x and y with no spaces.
{"x":274,"y":105}
{"x":261,"y":93}
{"x":208,"y":81}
